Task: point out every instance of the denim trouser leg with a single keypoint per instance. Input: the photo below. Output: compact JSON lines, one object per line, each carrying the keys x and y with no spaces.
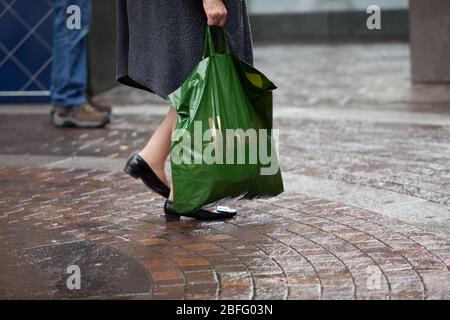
{"x":69,"y":70}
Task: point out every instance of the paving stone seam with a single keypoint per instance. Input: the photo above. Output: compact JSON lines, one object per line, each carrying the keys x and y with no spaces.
{"x":370,"y":192}
{"x":154,"y":283}
{"x":288,"y":289}
{"x":253,"y":288}
{"x":301,"y":255}
{"x":437,"y":256}
{"x":330,"y":251}
{"x":217,"y":276}
{"x":419,"y":275}
{"x":318,"y":204}
{"x":252,"y":281}
{"x":373,"y":221}
{"x":271,"y":258}
{"x":119,"y":163}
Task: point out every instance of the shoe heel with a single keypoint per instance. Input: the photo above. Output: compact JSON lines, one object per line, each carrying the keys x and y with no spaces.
{"x":172,"y":217}
{"x":132,"y":171}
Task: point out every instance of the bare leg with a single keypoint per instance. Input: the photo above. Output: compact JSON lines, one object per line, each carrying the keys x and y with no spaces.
{"x":158,"y":147}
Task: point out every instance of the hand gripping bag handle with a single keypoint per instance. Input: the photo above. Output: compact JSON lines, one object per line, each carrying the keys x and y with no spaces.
{"x":221,"y":41}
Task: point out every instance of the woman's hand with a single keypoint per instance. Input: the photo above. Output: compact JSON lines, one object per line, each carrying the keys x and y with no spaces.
{"x":216,"y":12}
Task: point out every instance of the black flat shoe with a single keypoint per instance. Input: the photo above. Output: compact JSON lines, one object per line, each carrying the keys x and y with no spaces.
{"x":172,"y":215}
{"x":137,"y":168}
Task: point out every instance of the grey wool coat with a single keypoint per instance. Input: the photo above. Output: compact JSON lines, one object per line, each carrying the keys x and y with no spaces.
{"x":160,"y":41}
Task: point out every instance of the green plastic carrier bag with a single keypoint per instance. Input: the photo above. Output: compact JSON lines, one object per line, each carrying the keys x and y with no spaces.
{"x":222,"y":147}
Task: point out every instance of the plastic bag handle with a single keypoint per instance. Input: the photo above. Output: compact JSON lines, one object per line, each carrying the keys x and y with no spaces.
{"x":221,"y":41}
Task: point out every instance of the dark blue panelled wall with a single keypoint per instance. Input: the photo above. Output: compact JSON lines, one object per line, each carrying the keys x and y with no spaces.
{"x":25,"y":50}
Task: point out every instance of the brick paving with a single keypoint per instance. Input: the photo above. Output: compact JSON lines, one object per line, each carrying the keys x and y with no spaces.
{"x":295,"y":246}
{"x":403,"y":158}
{"x":291,"y":247}
{"x":122,"y":137}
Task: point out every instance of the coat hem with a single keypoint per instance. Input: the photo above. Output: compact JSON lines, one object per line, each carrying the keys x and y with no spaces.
{"x":128,"y":80}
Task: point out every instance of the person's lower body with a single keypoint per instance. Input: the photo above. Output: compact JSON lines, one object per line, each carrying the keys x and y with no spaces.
{"x":70,"y":67}
{"x":157,"y":50}
{"x":148,"y":165}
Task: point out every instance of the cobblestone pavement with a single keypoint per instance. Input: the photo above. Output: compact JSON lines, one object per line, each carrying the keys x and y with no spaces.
{"x":365,"y":157}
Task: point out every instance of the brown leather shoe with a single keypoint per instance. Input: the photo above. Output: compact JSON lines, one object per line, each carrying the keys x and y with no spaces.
{"x":83,"y":116}
{"x":99,"y":106}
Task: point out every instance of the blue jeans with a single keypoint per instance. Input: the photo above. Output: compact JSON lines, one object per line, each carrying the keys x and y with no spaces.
{"x":69,"y":69}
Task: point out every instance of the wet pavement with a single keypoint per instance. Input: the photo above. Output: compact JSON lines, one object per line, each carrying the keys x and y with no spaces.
{"x":366,"y":212}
